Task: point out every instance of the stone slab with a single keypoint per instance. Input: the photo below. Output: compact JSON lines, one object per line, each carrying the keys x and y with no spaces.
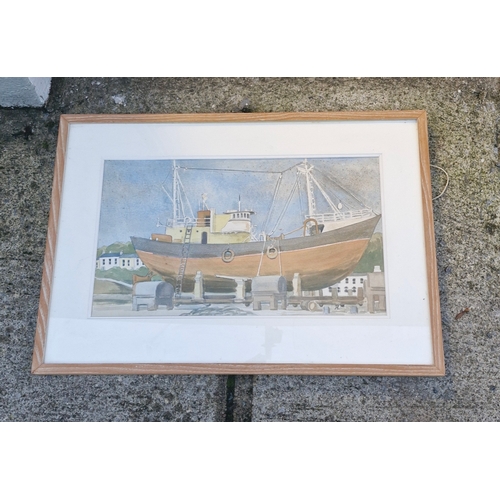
{"x":463,"y":131}
{"x":24,"y":92}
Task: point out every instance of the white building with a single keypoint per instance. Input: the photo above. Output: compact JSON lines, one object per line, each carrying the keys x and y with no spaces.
{"x":349,"y":285}
{"x":130,"y":261}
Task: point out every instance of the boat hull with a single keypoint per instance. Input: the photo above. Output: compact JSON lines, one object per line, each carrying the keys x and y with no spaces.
{"x":321,"y":260}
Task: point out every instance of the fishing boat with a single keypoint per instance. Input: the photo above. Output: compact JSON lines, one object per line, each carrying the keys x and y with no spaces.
{"x":223,"y":248}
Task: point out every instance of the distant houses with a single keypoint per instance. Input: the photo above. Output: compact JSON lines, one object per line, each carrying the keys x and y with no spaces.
{"x":375,"y":291}
{"x":371,"y":286}
{"x":130,"y":261}
{"x":349,"y":285}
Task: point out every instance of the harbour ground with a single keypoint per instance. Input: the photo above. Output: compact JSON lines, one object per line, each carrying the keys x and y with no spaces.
{"x":110,"y":308}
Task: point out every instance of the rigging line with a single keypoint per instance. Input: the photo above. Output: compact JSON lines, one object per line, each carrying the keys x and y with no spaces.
{"x":334,"y":197}
{"x":233,"y":170}
{"x":345,"y":189}
{"x":187,"y":199}
{"x":242,"y":170}
{"x":275,"y":194}
{"x":175,"y":193}
{"x":261,"y":257}
{"x":182,"y":206}
{"x":285,"y":208}
{"x":327,"y":198}
{"x":294,"y":230}
{"x":293,"y":166}
{"x":167,"y":193}
{"x":279,"y":256}
{"x":302,"y":212}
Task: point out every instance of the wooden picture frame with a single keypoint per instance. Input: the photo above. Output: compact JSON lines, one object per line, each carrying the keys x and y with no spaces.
{"x":101,"y":171}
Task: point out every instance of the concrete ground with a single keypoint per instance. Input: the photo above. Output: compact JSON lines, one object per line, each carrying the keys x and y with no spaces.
{"x":464,"y":129}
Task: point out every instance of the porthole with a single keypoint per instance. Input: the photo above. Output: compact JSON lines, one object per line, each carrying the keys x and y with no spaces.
{"x":272,"y":252}
{"x":227,"y":255}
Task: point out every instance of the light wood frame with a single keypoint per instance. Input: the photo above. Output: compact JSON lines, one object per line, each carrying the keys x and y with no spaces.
{"x":437,"y":368}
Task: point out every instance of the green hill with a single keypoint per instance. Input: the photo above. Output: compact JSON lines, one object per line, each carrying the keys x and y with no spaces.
{"x":116,"y":247}
{"x":373,"y":256}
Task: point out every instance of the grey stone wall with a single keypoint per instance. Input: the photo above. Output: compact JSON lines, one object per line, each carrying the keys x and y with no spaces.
{"x":464,"y":124}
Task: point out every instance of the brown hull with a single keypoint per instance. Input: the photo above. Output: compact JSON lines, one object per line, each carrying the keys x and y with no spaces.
{"x":321,"y":260}
{"x":319,"y":267}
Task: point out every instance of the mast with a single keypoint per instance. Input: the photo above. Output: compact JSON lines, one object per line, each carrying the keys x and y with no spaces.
{"x":175,"y":193}
{"x":180,"y":201}
{"x":311,"y":201}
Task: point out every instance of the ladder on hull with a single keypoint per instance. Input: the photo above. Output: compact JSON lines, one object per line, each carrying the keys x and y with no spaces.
{"x":184,"y":257}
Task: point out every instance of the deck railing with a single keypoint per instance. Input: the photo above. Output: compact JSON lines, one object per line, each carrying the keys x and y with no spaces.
{"x":332,"y":217}
{"x":184,"y":221}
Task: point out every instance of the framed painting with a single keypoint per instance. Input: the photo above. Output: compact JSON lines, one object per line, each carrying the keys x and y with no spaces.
{"x":282,"y":243}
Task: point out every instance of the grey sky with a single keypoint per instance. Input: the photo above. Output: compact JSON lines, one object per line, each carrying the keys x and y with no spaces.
{"x":133,"y":198}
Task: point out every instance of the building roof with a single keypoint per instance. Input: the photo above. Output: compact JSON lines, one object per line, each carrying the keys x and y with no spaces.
{"x":106,"y":255}
{"x":129,"y":256}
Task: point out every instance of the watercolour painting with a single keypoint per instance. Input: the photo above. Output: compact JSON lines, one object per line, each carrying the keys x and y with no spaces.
{"x":240,"y":236}
{"x":258,"y":243}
